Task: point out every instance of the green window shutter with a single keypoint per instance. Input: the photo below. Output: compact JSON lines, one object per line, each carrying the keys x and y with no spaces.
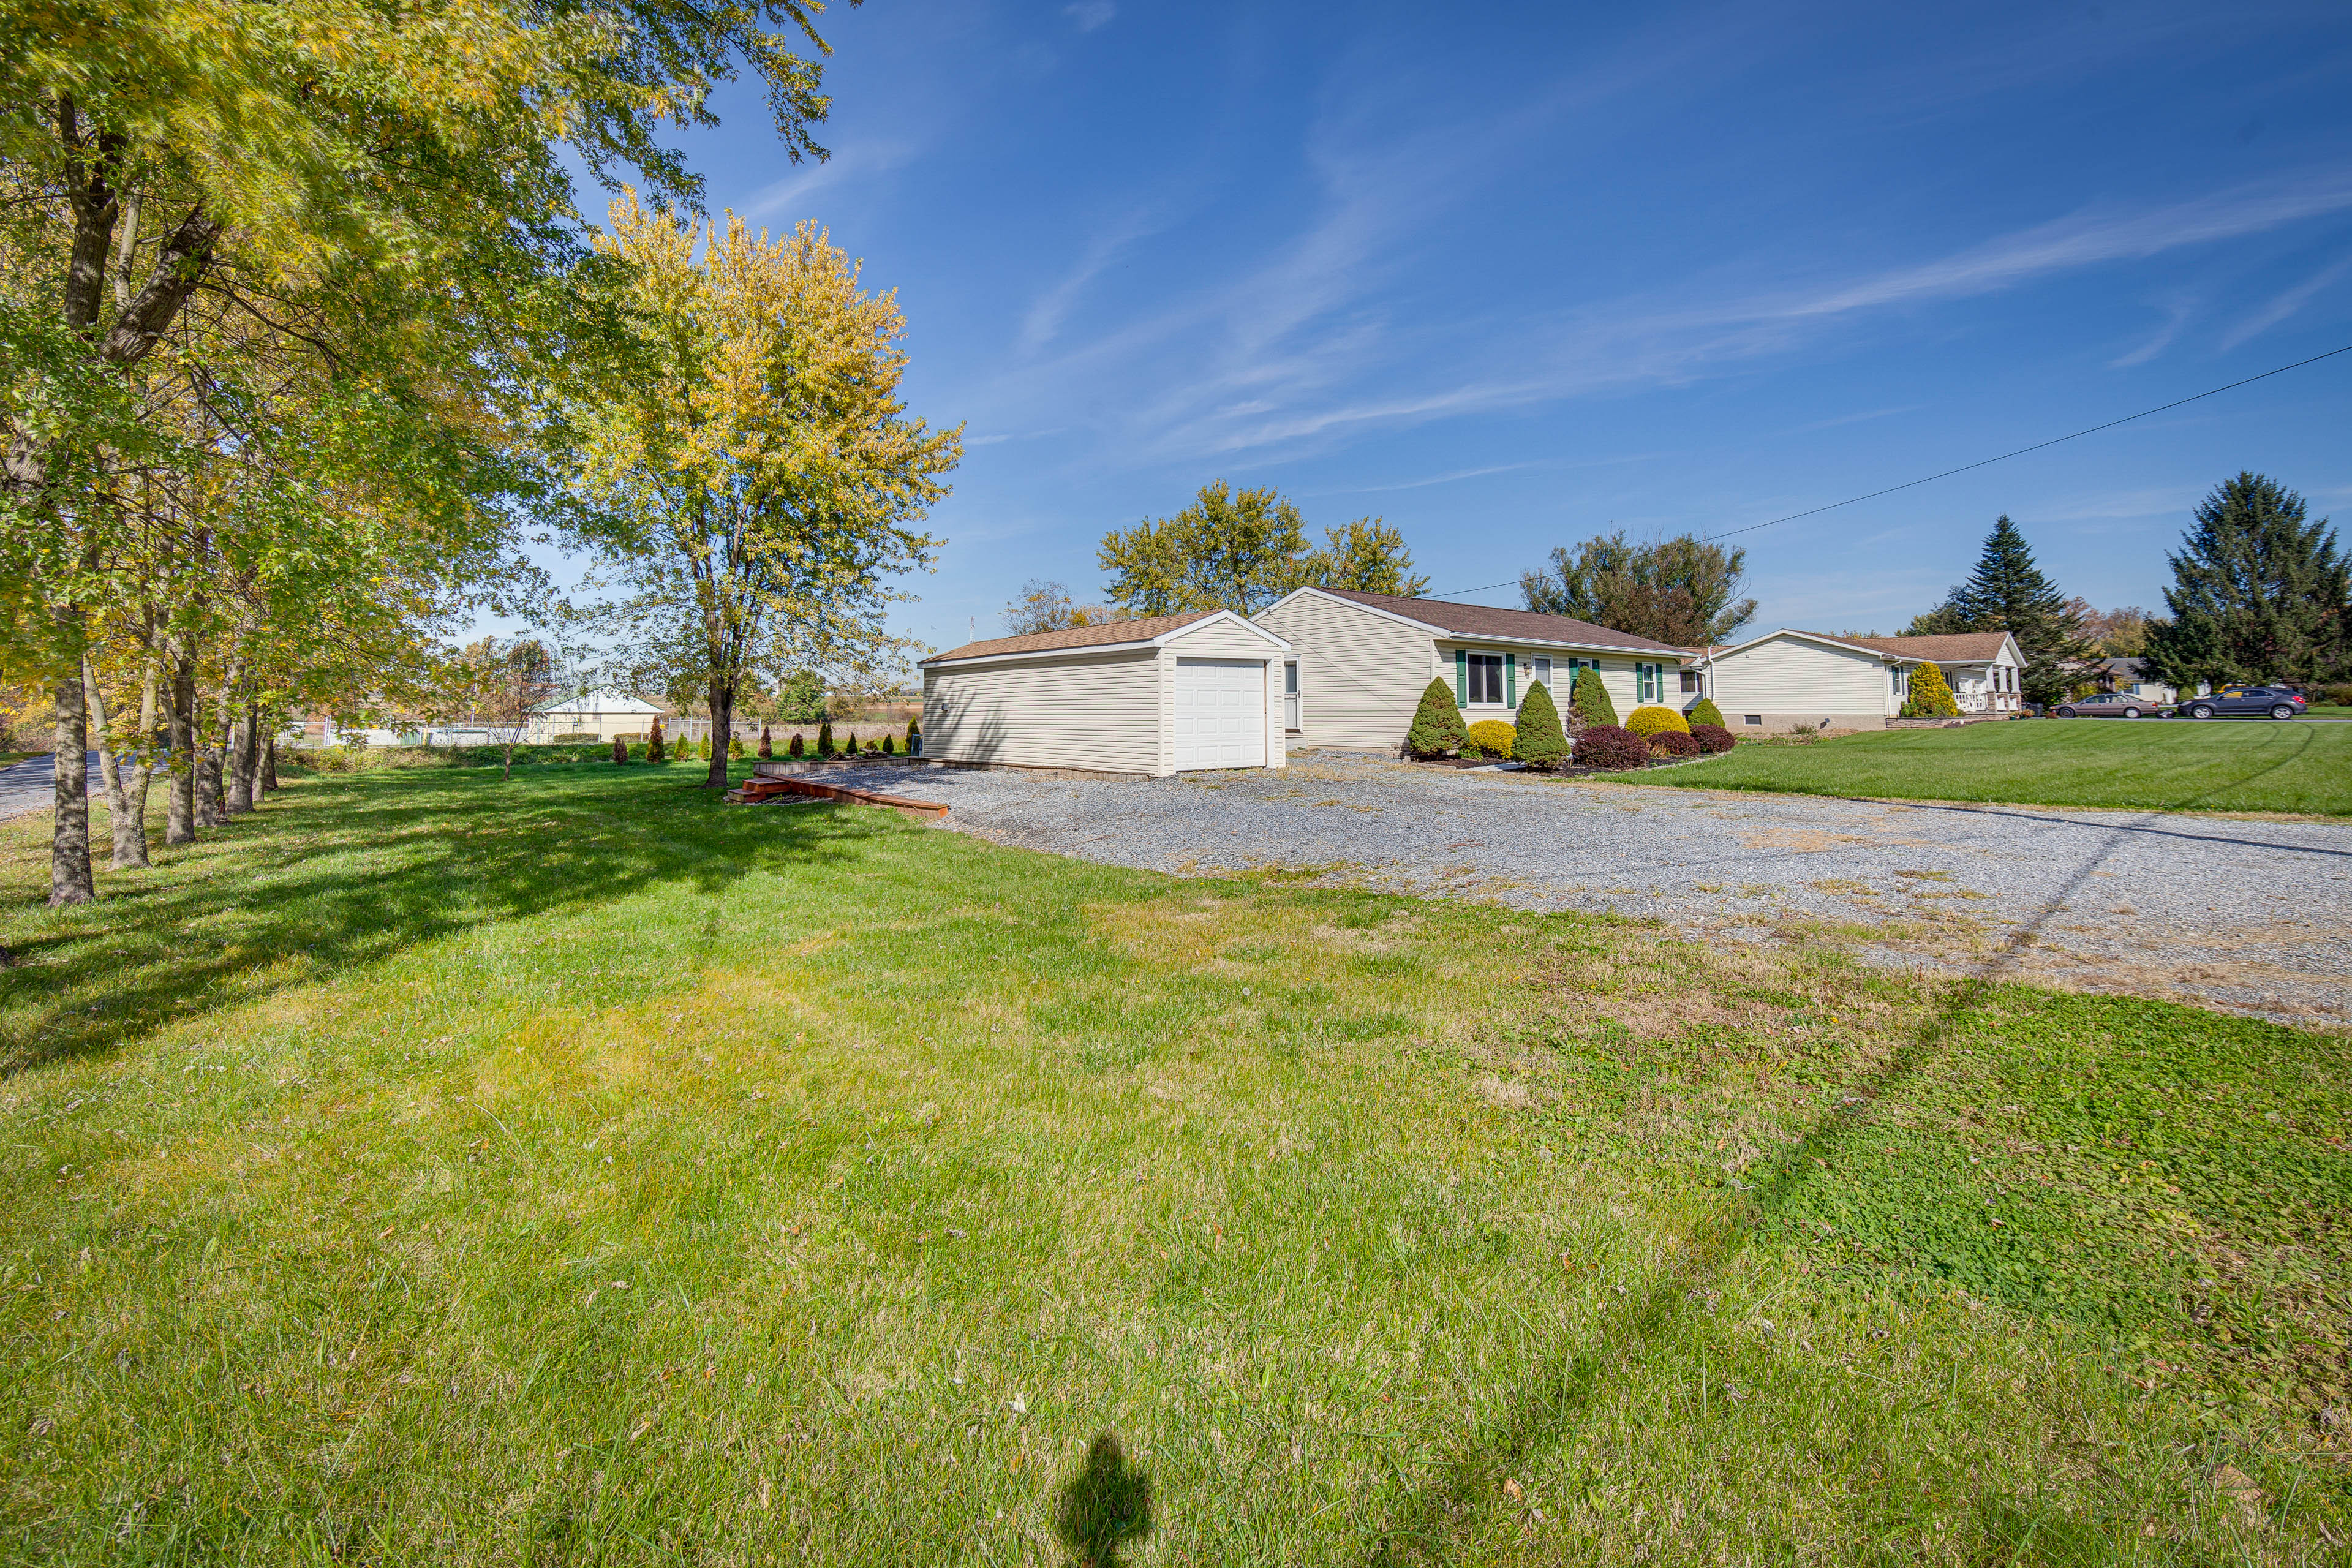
{"x":1511,"y":678}
{"x":1460,"y":677}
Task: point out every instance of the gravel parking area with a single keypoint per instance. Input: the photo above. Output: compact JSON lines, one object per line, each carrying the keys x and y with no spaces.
{"x":2245,"y":915}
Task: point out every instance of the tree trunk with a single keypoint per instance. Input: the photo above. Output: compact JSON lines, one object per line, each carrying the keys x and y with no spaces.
{"x":69,"y":874}
{"x":236,"y":750}
{"x":180,"y":807}
{"x":249,"y":762}
{"x":110,"y":769}
{"x":722,"y":730}
{"x":207,"y":760}
{"x":222,"y":750}
{"x":131,"y":814}
{"x":269,"y":761}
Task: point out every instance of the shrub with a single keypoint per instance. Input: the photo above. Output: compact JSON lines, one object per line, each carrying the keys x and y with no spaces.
{"x":824,"y":739}
{"x":1541,"y":742}
{"x":655,"y":751}
{"x":734,"y":745}
{"x":1436,"y":723}
{"x":1607,"y":746}
{"x":1674,"y":744}
{"x":888,"y":749}
{"x":1704,"y":712}
{"x":2334,"y":695}
{"x":1931,"y":695}
{"x":914,"y":739}
{"x":1591,"y":698}
{"x":1652,"y":720}
{"x":1713,"y":737}
{"x":766,"y":750}
{"x":1491,"y":738}
{"x":619,"y":750}
{"x":795,"y":749}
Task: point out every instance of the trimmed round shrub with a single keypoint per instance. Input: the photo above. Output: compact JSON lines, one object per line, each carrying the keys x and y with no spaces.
{"x":1652,"y":720}
{"x":824,"y":739}
{"x":1541,"y":741}
{"x":1436,"y":723}
{"x":1674,"y":744}
{"x":1491,"y":738}
{"x":1704,"y":712}
{"x":1607,"y":746}
{"x":795,"y":749}
{"x":1590,"y":696}
{"x":1931,"y":695}
{"x":765,"y":749}
{"x":888,"y":749}
{"x":1713,"y":737}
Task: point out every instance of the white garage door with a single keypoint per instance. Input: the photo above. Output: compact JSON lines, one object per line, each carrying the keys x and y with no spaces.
{"x":1220,"y":713}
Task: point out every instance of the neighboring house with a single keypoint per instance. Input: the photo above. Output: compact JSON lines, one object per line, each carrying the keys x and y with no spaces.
{"x":2130,"y":677}
{"x":1805,"y":681}
{"x":607,"y":715}
{"x":1792,"y":680}
{"x":1360,"y":662}
{"x":1162,"y":695}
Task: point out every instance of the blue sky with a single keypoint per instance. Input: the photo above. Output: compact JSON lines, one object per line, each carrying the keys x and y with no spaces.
{"x":1512,"y":276}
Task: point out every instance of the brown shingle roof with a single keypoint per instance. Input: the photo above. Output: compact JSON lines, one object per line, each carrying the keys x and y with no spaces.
{"x":1099,"y":635}
{"x":1503,"y":626}
{"x":1951,"y":648}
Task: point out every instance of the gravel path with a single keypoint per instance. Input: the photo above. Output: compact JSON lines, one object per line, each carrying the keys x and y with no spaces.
{"x":2248,"y":916}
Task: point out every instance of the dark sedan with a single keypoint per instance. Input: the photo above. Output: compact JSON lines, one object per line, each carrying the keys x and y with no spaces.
{"x":2109,"y":705}
{"x":2245,"y":702}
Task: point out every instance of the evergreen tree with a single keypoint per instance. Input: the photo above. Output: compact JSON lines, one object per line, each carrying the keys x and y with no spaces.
{"x":2259,"y":593}
{"x":2008,"y":592}
{"x":1436,"y":724}
{"x":767,"y":747}
{"x":655,"y":752}
{"x":1541,"y":741}
{"x":1590,"y":698}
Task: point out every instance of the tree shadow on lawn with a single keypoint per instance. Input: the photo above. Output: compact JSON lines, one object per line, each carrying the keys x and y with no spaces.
{"x":340,"y":873}
{"x":1437,"y":1516}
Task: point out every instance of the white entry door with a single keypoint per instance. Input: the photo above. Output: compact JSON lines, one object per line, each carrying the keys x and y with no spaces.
{"x":1220,"y":713}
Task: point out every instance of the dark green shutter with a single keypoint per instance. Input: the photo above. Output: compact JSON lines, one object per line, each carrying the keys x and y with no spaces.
{"x":1511,"y":678}
{"x":1460,"y":677}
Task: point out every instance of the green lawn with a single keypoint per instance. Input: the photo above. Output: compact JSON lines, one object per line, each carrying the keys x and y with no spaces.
{"x":2223,"y":765}
{"x":578,"y":1171}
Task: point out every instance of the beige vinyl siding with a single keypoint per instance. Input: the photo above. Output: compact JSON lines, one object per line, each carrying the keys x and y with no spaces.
{"x":1792,"y":679}
{"x":1616,"y":674}
{"x":1221,"y":639}
{"x":1083,"y":711}
{"x":1360,"y":675}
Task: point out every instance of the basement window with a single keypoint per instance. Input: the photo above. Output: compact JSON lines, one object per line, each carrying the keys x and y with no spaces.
{"x":1751,"y":718}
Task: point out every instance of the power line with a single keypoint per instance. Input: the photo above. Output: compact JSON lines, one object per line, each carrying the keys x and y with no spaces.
{"x":1964,"y":467}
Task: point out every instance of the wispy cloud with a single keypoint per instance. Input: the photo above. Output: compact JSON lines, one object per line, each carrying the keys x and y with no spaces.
{"x":2287,"y":303}
{"x":1090,"y":13}
{"x":2177,"y":311}
{"x":861,"y":162}
{"x":1045,"y":318}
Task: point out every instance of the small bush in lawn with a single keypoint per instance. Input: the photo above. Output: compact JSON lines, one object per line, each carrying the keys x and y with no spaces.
{"x":1652,"y":720}
{"x":735,"y":745}
{"x":1674,"y":744}
{"x":1704,"y":712}
{"x":1607,"y":746}
{"x":1492,"y":737}
{"x":1931,"y":695}
{"x":888,"y":749}
{"x":2334,"y":695}
{"x":914,"y":739}
{"x":1713,"y":737}
{"x":1590,"y":696}
{"x":655,"y":751}
{"x":766,"y":750}
{"x":795,"y":749}
{"x":1542,"y":742}
{"x":1436,"y":723}
{"x":824,"y":739}
{"x":619,"y":750}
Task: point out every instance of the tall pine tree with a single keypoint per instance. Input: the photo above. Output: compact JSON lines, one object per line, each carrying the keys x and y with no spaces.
{"x":2259,"y":593}
{"x":2008,"y":592}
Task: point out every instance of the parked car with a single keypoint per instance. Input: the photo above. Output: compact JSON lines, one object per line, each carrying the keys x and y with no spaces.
{"x":2108,"y":705}
{"x":2246,"y":702}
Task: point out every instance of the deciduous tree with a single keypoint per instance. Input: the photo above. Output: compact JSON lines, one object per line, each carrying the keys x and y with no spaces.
{"x":1680,"y":591}
{"x":1241,"y":551}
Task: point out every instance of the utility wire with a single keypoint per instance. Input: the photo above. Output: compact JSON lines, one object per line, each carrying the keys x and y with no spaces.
{"x":1964,"y":467}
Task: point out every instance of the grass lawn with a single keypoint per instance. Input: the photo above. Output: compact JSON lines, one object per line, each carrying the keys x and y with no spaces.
{"x":578,"y":1171}
{"x":2222,"y":765}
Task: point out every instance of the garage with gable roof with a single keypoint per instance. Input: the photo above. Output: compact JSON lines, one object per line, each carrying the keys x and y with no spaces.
{"x":1148,"y":698}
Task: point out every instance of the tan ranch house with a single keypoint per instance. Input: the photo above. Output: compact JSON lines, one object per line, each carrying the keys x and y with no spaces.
{"x":1358,"y":663}
{"x":1801,"y":681}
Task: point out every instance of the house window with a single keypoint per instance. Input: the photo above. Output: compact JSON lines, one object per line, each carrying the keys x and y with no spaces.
{"x":1690,"y":681}
{"x":1647,"y":680}
{"x":1486,"y":677}
{"x":1751,"y":718}
{"x":1539,"y":670}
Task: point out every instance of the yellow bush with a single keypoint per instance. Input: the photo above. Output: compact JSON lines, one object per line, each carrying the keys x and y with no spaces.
{"x":1494,"y":737}
{"x":1655,"y":720}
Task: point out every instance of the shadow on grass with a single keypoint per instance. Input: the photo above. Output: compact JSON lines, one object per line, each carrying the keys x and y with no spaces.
{"x":1442,"y":1509}
{"x":1106,"y":1506}
{"x":343,"y":873}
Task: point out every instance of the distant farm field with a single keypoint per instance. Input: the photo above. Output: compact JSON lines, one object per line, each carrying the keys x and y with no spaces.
{"x":575,"y":1170}
{"x":2136,"y":764}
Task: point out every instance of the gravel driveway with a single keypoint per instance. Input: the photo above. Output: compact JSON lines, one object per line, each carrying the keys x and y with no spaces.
{"x":2246,"y":915}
